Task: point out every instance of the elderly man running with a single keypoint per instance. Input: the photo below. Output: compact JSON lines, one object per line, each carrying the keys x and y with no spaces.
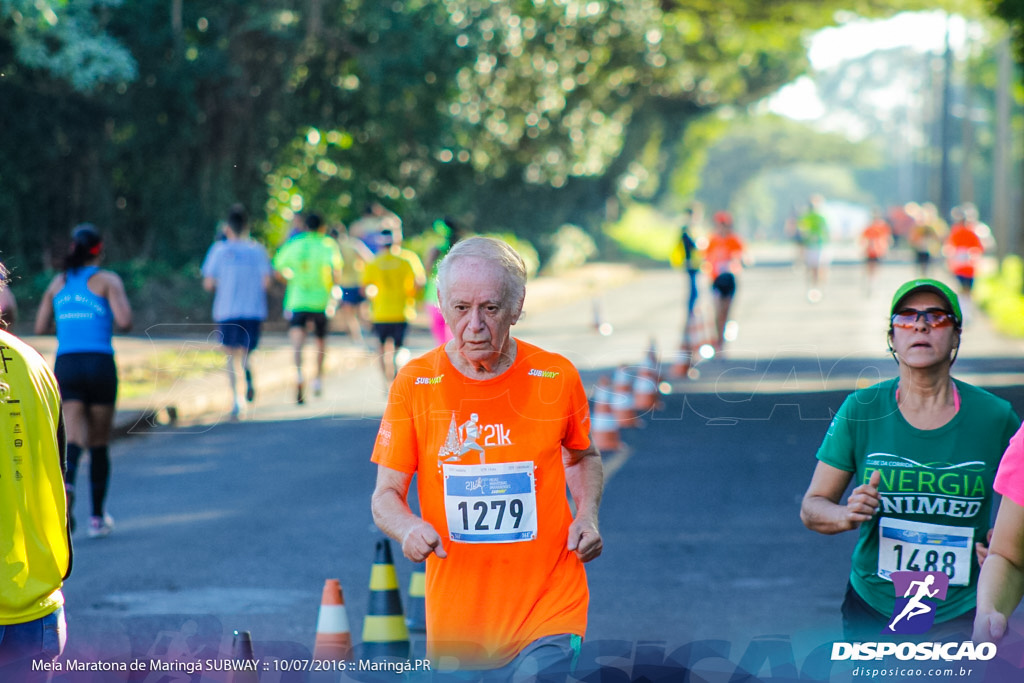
{"x":506,"y":587}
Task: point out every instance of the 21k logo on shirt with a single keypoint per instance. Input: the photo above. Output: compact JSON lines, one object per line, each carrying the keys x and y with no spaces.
{"x":471,"y":439}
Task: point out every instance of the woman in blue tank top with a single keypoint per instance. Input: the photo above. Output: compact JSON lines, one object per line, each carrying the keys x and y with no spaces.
{"x":86,"y":302}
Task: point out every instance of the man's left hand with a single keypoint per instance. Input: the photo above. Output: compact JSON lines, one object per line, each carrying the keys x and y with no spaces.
{"x":585,"y":539}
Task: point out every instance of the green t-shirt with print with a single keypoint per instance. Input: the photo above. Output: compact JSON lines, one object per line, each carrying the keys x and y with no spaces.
{"x":307,"y":262}
{"x":935,"y":491}
{"x":814,"y":229}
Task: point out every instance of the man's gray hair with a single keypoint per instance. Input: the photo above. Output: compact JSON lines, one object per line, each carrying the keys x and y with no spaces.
{"x":488,"y":249}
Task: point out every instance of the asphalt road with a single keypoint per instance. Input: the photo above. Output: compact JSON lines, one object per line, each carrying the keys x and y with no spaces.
{"x":224,"y":526}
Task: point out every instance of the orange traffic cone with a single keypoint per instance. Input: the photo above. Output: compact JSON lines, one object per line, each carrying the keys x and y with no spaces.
{"x":600,"y":326}
{"x":333,"y":638}
{"x":241,"y":652}
{"x":700,"y":337}
{"x":417,"y":618}
{"x":604,"y":427}
{"x":683,"y":362}
{"x":622,"y":399}
{"x":652,"y":359}
{"x":697,"y":343}
{"x":645,"y":388}
{"x":384,"y":631}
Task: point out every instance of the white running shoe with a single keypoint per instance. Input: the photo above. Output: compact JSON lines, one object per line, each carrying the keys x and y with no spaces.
{"x":100,"y":527}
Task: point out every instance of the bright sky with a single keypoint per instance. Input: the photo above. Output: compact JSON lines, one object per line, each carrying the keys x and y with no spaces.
{"x":924,"y":31}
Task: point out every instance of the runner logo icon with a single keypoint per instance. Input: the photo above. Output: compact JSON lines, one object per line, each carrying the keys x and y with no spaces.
{"x":916,"y":597}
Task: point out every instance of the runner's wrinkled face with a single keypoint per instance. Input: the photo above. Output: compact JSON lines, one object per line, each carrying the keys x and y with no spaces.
{"x":479,"y":310}
{"x":922,"y":345}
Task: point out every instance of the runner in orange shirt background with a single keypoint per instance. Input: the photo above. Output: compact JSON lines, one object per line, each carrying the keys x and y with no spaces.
{"x":876,"y":240}
{"x":495,"y":429}
{"x":963,"y":250}
{"x":724,"y":258}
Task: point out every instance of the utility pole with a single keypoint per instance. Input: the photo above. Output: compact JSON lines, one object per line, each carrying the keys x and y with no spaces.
{"x":966,"y":183}
{"x":945,"y":180}
{"x":1004,"y":228}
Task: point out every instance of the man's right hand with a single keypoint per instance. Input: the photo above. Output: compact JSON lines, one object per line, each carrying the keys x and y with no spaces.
{"x":420,"y":541}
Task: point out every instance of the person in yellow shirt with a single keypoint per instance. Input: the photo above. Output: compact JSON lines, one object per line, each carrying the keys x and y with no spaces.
{"x":354,"y":257}
{"x":392,"y":281}
{"x":35,"y":538}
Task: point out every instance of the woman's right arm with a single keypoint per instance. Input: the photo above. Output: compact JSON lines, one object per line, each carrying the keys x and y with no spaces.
{"x":821,"y":511}
{"x":44,"y":316}
{"x":118,"y":299}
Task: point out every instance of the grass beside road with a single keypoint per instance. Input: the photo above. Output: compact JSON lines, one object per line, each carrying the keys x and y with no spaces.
{"x":1001,"y":295}
{"x":644,"y":231}
{"x":163,"y":369}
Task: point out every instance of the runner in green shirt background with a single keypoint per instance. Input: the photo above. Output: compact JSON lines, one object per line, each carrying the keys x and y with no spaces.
{"x":310,"y":266}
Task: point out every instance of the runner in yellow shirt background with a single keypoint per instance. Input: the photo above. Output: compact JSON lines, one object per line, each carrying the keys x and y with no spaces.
{"x":392,"y":282}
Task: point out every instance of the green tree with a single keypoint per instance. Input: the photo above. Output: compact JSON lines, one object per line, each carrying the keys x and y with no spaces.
{"x":54,"y":59}
{"x":66,"y":39}
{"x":1012,"y":11}
{"x":758,"y":143}
{"x":515,"y":115}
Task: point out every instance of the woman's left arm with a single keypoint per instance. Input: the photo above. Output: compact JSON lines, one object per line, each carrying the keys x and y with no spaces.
{"x":1001,"y":584}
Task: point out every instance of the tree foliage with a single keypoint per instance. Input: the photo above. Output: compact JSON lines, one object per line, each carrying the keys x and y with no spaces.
{"x":1012,"y":11}
{"x":150,"y":117}
{"x":756,"y":145}
{"x":765,"y":167}
{"x":66,"y":39}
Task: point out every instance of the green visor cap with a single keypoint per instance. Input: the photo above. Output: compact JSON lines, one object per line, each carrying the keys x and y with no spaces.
{"x":928,"y":285}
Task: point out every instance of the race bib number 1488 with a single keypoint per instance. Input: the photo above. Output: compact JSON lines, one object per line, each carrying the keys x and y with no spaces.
{"x":917,"y":546}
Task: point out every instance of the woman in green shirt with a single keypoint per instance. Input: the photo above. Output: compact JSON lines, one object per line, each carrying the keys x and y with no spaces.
{"x":922,"y":450}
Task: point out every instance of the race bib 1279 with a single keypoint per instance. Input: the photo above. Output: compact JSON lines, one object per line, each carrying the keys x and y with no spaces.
{"x":491,"y":503}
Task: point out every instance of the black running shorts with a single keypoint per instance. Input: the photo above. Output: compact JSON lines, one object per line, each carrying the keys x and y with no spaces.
{"x":87,"y":377}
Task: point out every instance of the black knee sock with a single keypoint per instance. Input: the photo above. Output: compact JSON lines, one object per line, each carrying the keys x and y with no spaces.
{"x":99,"y":476}
{"x":74,"y":453}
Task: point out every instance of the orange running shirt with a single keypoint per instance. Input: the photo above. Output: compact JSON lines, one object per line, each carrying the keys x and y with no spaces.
{"x":509,"y":579}
{"x":723,"y":252}
{"x":876,"y":237}
{"x":964,"y":248}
